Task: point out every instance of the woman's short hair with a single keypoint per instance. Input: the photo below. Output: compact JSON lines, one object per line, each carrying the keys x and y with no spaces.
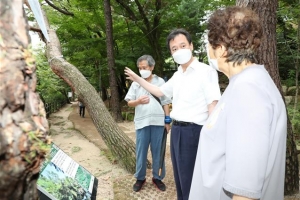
{"x":239,"y":30}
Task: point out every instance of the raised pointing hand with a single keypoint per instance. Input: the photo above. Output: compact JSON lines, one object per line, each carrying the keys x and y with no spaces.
{"x":130,"y":74}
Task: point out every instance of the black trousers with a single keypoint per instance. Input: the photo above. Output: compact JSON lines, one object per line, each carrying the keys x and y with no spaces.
{"x":81,"y":111}
{"x":184,"y":146}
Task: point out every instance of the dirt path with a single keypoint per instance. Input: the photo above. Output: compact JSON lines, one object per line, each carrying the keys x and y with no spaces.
{"x":86,"y":153}
{"x":79,"y":138}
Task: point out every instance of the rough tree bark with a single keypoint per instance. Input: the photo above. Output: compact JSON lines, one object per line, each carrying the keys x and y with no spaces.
{"x":267,"y":55}
{"x":23,"y":124}
{"x":115,"y":100}
{"x":118,"y":142}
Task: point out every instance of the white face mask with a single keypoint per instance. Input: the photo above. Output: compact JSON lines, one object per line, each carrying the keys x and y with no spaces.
{"x":145,"y":73}
{"x":212,"y":62}
{"x":182,"y":56}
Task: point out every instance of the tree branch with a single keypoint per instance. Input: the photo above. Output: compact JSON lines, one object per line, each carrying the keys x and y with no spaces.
{"x":131,"y":14}
{"x":59,"y":9}
{"x":143,"y":14}
{"x":39,"y":31}
{"x":27,"y":4}
{"x":156,"y":20}
{"x":31,"y":28}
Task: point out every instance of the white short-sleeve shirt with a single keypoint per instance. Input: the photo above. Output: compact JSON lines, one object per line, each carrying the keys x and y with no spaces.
{"x":192,"y":91}
{"x":151,"y":113}
{"x":243,"y":143}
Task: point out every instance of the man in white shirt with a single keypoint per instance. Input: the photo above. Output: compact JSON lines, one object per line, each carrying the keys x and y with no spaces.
{"x":195,"y":92}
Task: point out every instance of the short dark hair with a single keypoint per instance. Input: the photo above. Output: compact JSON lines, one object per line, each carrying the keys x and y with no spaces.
{"x":176,"y":32}
{"x":148,"y":58}
{"x":239,"y":30}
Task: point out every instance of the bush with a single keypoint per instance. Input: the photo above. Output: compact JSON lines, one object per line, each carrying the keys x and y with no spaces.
{"x":296,"y":120}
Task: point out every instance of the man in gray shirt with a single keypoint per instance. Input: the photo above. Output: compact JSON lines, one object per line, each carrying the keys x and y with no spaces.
{"x":150,"y":119}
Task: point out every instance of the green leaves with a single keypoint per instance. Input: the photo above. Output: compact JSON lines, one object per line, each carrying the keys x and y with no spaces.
{"x":288,"y":41}
{"x":49,"y":85}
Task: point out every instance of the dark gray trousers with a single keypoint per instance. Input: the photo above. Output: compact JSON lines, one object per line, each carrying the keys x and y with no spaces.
{"x":184,"y":146}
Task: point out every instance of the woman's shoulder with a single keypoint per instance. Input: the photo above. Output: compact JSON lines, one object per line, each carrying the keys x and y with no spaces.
{"x":251,"y":73}
{"x":254,"y":76}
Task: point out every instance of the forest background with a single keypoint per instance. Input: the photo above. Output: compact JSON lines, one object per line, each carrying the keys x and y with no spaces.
{"x":102,"y":38}
{"x":91,"y":42}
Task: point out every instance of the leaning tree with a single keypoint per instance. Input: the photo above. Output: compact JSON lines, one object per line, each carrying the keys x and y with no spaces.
{"x":267,"y":55}
{"x":121,"y":146}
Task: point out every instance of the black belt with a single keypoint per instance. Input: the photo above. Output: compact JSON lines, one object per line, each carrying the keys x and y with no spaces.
{"x":181,"y":123}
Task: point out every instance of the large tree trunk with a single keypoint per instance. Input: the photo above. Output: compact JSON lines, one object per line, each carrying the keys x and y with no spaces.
{"x":118,"y":142}
{"x":267,"y":55}
{"x":157,"y":53}
{"x":23,"y":124}
{"x":115,"y":99}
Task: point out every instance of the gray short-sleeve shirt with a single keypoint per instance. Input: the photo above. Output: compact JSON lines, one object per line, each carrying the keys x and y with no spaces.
{"x":243,"y":143}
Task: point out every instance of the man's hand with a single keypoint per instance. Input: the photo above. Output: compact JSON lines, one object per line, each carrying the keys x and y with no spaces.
{"x":212,"y":106}
{"x":144,"y":99}
{"x":168,"y":127}
{"x":130,"y":74}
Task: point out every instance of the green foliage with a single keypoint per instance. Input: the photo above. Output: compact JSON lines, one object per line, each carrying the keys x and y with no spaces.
{"x":288,"y":17}
{"x":49,"y":85}
{"x":83,"y":177}
{"x":62,"y":188}
{"x":289,"y":80}
{"x":40,"y":145}
{"x":296,"y":119}
{"x":83,"y":36}
{"x":129,"y":116}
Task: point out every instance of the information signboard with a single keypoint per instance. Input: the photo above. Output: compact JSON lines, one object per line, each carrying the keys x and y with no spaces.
{"x":63,"y":178}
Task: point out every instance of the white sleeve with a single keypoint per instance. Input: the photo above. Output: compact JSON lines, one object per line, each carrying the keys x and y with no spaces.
{"x":247,"y":140}
{"x":164,"y":100}
{"x":167,"y":88}
{"x":211,"y":86}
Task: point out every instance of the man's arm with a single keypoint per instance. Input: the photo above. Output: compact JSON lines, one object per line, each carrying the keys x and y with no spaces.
{"x":153,"y":89}
{"x":212,"y":106}
{"x":144,"y":99}
{"x":211,"y":89}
